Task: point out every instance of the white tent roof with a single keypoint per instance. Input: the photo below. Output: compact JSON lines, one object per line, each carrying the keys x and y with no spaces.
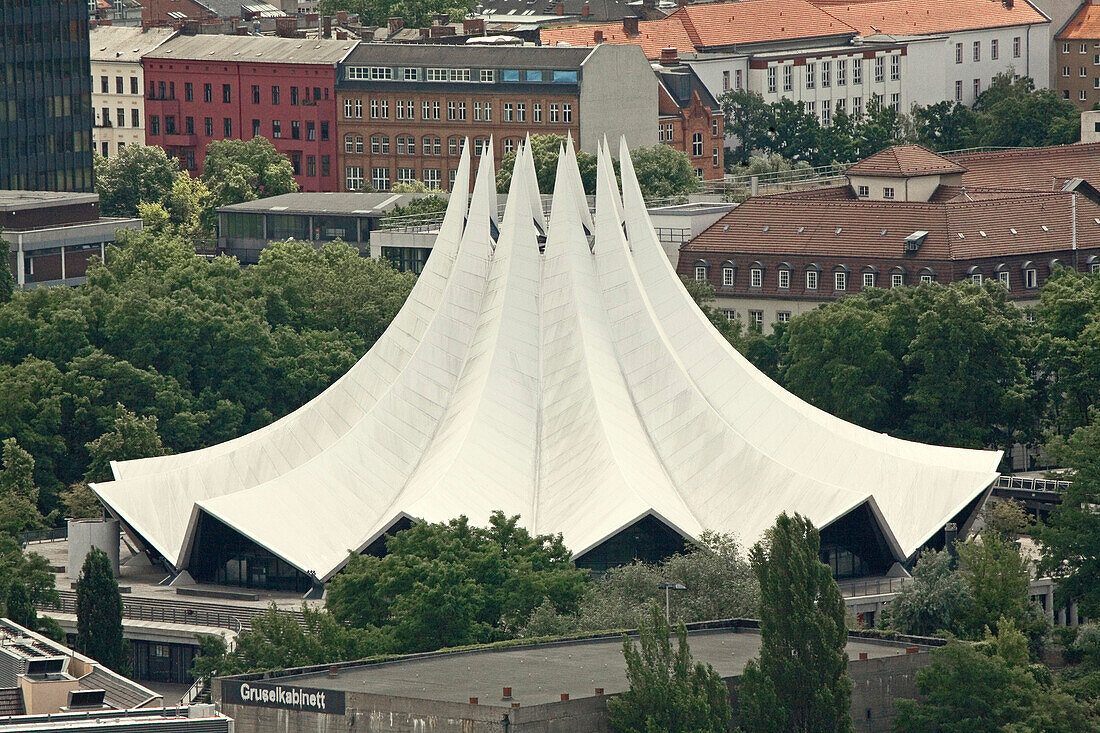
{"x":580,"y":388}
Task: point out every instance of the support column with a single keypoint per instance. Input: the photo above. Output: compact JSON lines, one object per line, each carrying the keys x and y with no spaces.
{"x":62,"y":262}
{"x":102,"y":253}
{"x":20,"y":266}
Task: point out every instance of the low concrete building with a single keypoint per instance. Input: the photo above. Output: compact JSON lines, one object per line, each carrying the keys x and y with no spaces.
{"x":245,"y":229}
{"x":556,"y":686}
{"x":53,"y":235}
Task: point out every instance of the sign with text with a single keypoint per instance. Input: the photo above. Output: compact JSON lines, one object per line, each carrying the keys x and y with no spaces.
{"x":287,"y":697}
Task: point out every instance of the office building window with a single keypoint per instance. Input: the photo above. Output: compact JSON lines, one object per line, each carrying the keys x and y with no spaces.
{"x":134,"y":86}
{"x":120,"y":117}
{"x":841,"y":72}
{"x":294,"y":96}
{"x":154,"y":125}
{"x":697,"y":144}
{"x":895,"y":67}
{"x":880,"y":69}
{"x":227,"y":127}
{"x":380,"y":179}
{"x":208,"y":126}
{"x":1016,"y":47}
{"x":521,"y":111}
{"x":295,"y":130}
{"x":311,"y":166}
{"x":324,"y":131}
{"x":325,"y":160}
{"x":311,"y":131}
{"x":553,"y":112}
{"x":353,"y":177}
{"x":977,"y":50}
{"x":255,"y":128}
{"x":536,"y":112}
{"x":433,"y":178}
{"x":276,"y":129}
{"x":788,"y":77}
{"x":104,"y":85}
{"x":994,"y":49}
{"x":406,"y":175}
{"x":379,"y":144}
{"x":508,"y":112}
{"x":227,"y":94}
{"x":857,"y":71}
{"x":826,"y":73}
{"x":189,"y":125}
{"x":771,"y":79}
{"x":895,"y":101}
{"x":567,"y":112}
{"x":255,"y":94}
{"x":811,"y":74}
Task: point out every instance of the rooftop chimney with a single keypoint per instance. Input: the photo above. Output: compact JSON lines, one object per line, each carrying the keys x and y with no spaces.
{"x":287,"y":27}
{"x":630,"y":26}
{"x":586,"y":10}
{"x":440,"y":19}
{"x":396,"y":24}
{"x":473,"y":27}
{"x":669,"y":57}
{"x":327,"y":32}
{"x":559,"y":9}
{"x":507,"y":693}
{"x":441,"y":30}
{"x":1008,"y":4}
{"x":342,"y":17}
{"x":341,"y":35}
{"x":333,"y":670}
{"x":597,"y":36}
{"x":425,"y":32}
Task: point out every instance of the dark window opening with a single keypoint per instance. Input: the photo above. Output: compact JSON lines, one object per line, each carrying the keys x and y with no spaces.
{"x":649,"y":540}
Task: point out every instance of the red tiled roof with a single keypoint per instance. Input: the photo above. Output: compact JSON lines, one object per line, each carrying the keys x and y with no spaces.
{"x":754,"y":21}
{"x":1084,"y":26}
{"x":904,"y":161}
{"x":916,"y":17}
{"x":1042,"y":169}
{"x":774,"y":225}
{"x":653,"y":35}
{"x":695,"y":27}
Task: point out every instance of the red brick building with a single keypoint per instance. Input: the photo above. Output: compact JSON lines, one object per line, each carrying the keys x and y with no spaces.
{"x":906,"y":216}
{"x":212,"y":87}
{"x":689,"y":118}
{"x":404,"y":109}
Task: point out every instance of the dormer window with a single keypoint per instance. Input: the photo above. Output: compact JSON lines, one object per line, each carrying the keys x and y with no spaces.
{"x":888,"y":193}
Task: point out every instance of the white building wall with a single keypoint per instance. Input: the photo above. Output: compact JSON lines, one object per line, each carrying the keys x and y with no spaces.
{"x":106,"y":130}
{"x":618,"y":97}
{"x":1032,"y":59}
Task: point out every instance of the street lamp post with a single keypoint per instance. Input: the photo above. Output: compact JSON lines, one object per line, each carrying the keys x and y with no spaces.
{"x":670,"y":587}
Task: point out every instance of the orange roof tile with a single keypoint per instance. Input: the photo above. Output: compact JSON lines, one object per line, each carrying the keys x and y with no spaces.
{"x":903,"y":161}
{"x":802,"y":227}
{"x":1043,"y":169}
{"x":1084,"y":26}
{"x":755,"y":21}
{"x":653,"y":35}
{"x":916,"y":17}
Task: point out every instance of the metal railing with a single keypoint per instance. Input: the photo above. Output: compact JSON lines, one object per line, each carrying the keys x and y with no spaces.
{"x":1028,"y":483}
{"x":161,"y":612}
{"x":43,"y":535}
{"x":875,"y":587}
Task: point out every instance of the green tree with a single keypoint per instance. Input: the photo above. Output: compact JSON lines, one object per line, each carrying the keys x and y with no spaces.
{"x":936,"y":600}
{"x":970,"y":688}
{"x":137,"y":174}
{"x":99,"y":614}
{"x":244,"y":170}
{"x":880,"y":127}
{"x":18,"y":493}
{"x":131,"y":437}
{"x":747,"y":118}
{"x":416,"y":13}
{"x":544,"y":150}
{"x":7,"y":282}
{"x":445,"y":585}
{"x":1013,"y":113}
{"x":800,"y":682}
{"x":1070,"y":540}
{"x":945,"y":126}
{"x":667,"y":692}
{"x":663,"y":172}
{"x":19,"y":607}
{"x":998,"y":578}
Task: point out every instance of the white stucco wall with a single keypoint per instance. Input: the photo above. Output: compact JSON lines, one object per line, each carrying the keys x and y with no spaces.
{"x":618,"y":97}
{"x":126,"y":134}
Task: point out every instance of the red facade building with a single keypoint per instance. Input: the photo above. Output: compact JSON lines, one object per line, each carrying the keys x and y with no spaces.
{"x":212,"y":87}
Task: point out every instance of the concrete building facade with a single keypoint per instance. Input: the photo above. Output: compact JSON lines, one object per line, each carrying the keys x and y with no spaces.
{"x":118,"y":84}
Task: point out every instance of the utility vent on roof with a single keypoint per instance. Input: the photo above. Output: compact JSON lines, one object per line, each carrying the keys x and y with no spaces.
{"x":1045,"y":228}
{"x":1014,"y":231}
{"x":726,"y":228}
{"x":1096,"y":220}
{"x":882,"y":233}
{"x":766,"y":228}
{"x":982,"y":232}
{"x":915,"y":240}
{"x":838,"y":230}
{"x":802,"y":229}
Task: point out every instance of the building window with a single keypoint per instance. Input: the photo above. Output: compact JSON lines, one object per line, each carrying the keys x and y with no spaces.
{"x":895,"y":101}
{"x":826,"y":73}
{"x":880,"y":69}
{"x":353,"y":175}
{"x":567,"y":112}
{"x":857,"y":106}
{"x":553,"y":113}
{"x":784,"y":279}
{"x":508,"y":112}
{"x":1065,"y":71}
{"x":863,"y":191}
{"x":868,"y":280}
{"x":104,"y":85}
{"x":120,"y":117}
{"x":977,"y":88}
{"x":294,"y":96}
{"x":826,"y":115}
{"x":311,"y":166}
{"x":276,"y":129}
{"x":1082,"y":95}
{"x":994,"y":50}
{"x":783,"y":316}
{"x":977,"y":50}
{"x":521,"y":111}
{"x":154,"y":125}
{"x":700,"y":272}
{"x":788,"y":77}
{"x":406,"y":175}
{"x":452,"y":111}
{"x":1016,"y":47}
{"x":275,"y":95}
{"x":857,"y":71}
{"x":697,"y":144}
{"x":725,"y":81}
{"x":771,"y":80}
{"x":380,"y":145}
{"x":926,"y":278}
{"x":958,"y":91}
{"x":888,"y":192}
{"x":715,"y":127}
{"x":488,"y":76}
{"x":756,"y":319}
{"x":811,"y":279}
{"x":1065,"y":48}
{"x":895,"y":67}
{"x":738,"y":79}
{"x":536,"y":112}
{"x":958,"y":53}
{"x":311,"y":131}
{"x":353,"y":108}
{"x":756,"y":277}
{"x":208,"y":126}
{"x":295,"y":130}
{"x":840,"y":280}
{"x":715,"y":159}
{"x":227,"y":127}
{"x":134,"y":86}
{"x":227,"y":94}
{"x":1031,"y":278}
{"x":509,"y":145}
{"x":897,"y":279}
{"x":841,"y":72}
{"x":1003,"y":278}
{"x":1082,"y":73}
{"x":380,"y":179}
{"x":976,"y":278}
{"x":811,"y":74}
{"x":380,"y":109}
{"x":433,"y":178}
{"x":727,"y":277}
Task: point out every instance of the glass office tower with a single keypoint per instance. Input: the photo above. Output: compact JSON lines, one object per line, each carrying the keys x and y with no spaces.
{"x":45,"y":96}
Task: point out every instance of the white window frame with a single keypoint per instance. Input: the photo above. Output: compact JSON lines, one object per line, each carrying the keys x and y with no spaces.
{"x":811,"y":279}
{"x":840,"y":280}
{"x":868,"y":280}
{"x":701,"y":273}
{"x":756,"y":278}
{"x":784,"y":279}
{"x":727,"y":277}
